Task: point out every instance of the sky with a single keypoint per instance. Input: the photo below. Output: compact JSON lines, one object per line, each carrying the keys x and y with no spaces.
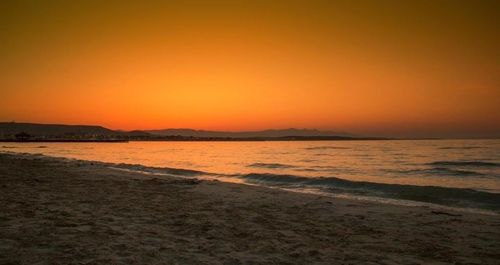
{"x":423,"y":68}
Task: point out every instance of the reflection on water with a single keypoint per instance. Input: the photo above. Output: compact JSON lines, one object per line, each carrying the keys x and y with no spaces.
{"x":464,"y":164}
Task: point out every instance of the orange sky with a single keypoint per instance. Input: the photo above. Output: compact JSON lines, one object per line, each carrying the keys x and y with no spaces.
{"x":392,"y":68}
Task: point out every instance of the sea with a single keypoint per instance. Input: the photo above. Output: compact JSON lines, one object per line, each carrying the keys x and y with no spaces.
{"x":459,"y":174}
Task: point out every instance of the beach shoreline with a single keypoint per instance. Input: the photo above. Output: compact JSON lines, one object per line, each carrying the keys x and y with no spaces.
{"x":75,"y":212}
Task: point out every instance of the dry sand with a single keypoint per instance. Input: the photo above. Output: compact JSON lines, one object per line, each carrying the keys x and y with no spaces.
{"x":55,"y":211}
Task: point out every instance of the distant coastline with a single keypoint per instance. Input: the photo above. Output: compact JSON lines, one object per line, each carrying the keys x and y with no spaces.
{"x":64,"y":141}
{"x":34,"y":132}
{"x":195,"y":139}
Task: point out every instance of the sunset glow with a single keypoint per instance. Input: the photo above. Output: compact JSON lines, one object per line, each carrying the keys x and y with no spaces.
{"x":430,"y":68}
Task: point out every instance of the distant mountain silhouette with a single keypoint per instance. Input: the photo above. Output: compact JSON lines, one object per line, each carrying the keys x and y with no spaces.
{"x":35,"y":129}
{"x":245,"y":134}
{"x":136,"y":133}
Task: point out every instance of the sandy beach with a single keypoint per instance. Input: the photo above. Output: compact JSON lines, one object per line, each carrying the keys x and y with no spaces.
{"x":57,"y":211}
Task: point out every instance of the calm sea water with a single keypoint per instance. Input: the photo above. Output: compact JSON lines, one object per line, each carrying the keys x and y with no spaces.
{"x":457,"y":173}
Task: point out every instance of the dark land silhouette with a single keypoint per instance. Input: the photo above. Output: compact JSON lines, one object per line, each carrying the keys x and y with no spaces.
{"x":34,"y":132}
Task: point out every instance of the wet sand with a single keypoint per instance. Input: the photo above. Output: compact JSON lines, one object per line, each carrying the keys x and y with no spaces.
{"x":57,"y":211}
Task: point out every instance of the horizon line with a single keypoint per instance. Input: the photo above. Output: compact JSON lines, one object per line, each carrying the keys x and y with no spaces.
{"x":348,"y":134}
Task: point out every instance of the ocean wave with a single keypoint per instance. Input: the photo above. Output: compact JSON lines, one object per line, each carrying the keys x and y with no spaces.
{"x":460,"y":147}
{"x":325,"y":147}
{"x":321,"y":169}
{"x":308,"y":160}
{"x":310,"y":169}
{"x":464,"y":163}
{"x":455,"y":197}
{"x":181,"y":172}
{"x":161,"y":170}
{"x":322,"y":154}
{"x":458,"y":197}
{"x":271,"y":165}
{"x":439,"y":171}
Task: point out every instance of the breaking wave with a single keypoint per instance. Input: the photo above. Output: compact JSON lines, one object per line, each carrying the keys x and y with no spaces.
{"x":160,"y":170}
{"x":456,"y":197}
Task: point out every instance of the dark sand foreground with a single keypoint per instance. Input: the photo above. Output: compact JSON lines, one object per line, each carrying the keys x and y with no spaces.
{"x":55,"y":211}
